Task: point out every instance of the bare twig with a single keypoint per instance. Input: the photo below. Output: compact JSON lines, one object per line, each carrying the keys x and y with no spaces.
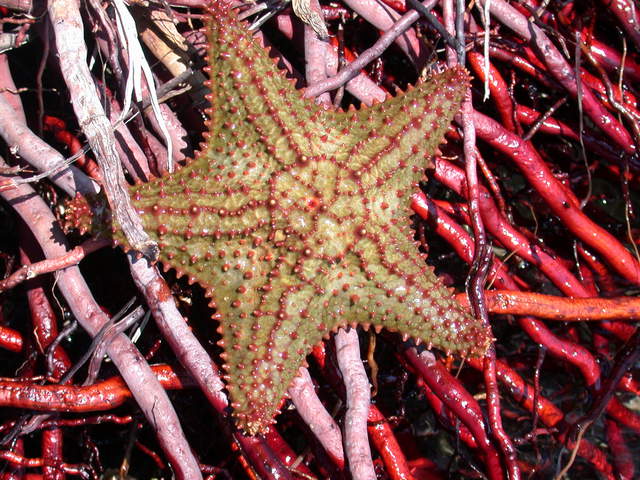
{"x":383,"y":18}
{"x":369,"y":55}
{"x":315,"y":55}
{"x":358,"y":399}
{"x":310,"y":13}
{"x":24,"y":143}
{"x":73,"y":257}
{"x":313,"y":412}
{"x":69,"y":34}
{"x":146,"y":389}
{"x":23,"y":6}
{"x":185,"y":345}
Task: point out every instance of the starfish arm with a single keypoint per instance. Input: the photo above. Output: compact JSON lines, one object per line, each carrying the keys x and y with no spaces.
{"x":268,"y":336}
{"x":186,"y":215}
{"x":266,"y":330}
{"x":412,"y":300}
{"x":383,"y":282}
{"x":401,"y":134}
{"x":250,"y":92}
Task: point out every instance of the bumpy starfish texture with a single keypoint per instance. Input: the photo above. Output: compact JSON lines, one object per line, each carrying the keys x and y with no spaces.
{"x":296,"y":220}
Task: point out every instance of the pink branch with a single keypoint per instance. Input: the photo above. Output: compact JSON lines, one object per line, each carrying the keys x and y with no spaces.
{"x":39,"y":154}
{"x":319,"y":421}
{"x":69,"y":36}
{"x":188,"y":350}
{"x":358,"y":399}
{"x":315,"y":53}
{"x":352,"y":70}
{"x":73,"y":257}
{"x":383,"y":18}
{"x":147,"y":391}
{"x":9,"y":91}
{"x":131,"y":154}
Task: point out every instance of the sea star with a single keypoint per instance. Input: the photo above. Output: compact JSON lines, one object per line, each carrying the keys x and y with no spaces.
{"x":295,"y":219}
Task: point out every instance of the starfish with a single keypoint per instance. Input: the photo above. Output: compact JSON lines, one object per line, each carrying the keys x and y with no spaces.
{"x":295,"y":219}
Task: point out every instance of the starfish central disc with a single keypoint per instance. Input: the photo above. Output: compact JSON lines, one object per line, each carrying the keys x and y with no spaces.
{"x":295,"y":219}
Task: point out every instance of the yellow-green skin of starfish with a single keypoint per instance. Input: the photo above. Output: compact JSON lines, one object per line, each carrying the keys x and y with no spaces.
{"x":295,"y":220}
